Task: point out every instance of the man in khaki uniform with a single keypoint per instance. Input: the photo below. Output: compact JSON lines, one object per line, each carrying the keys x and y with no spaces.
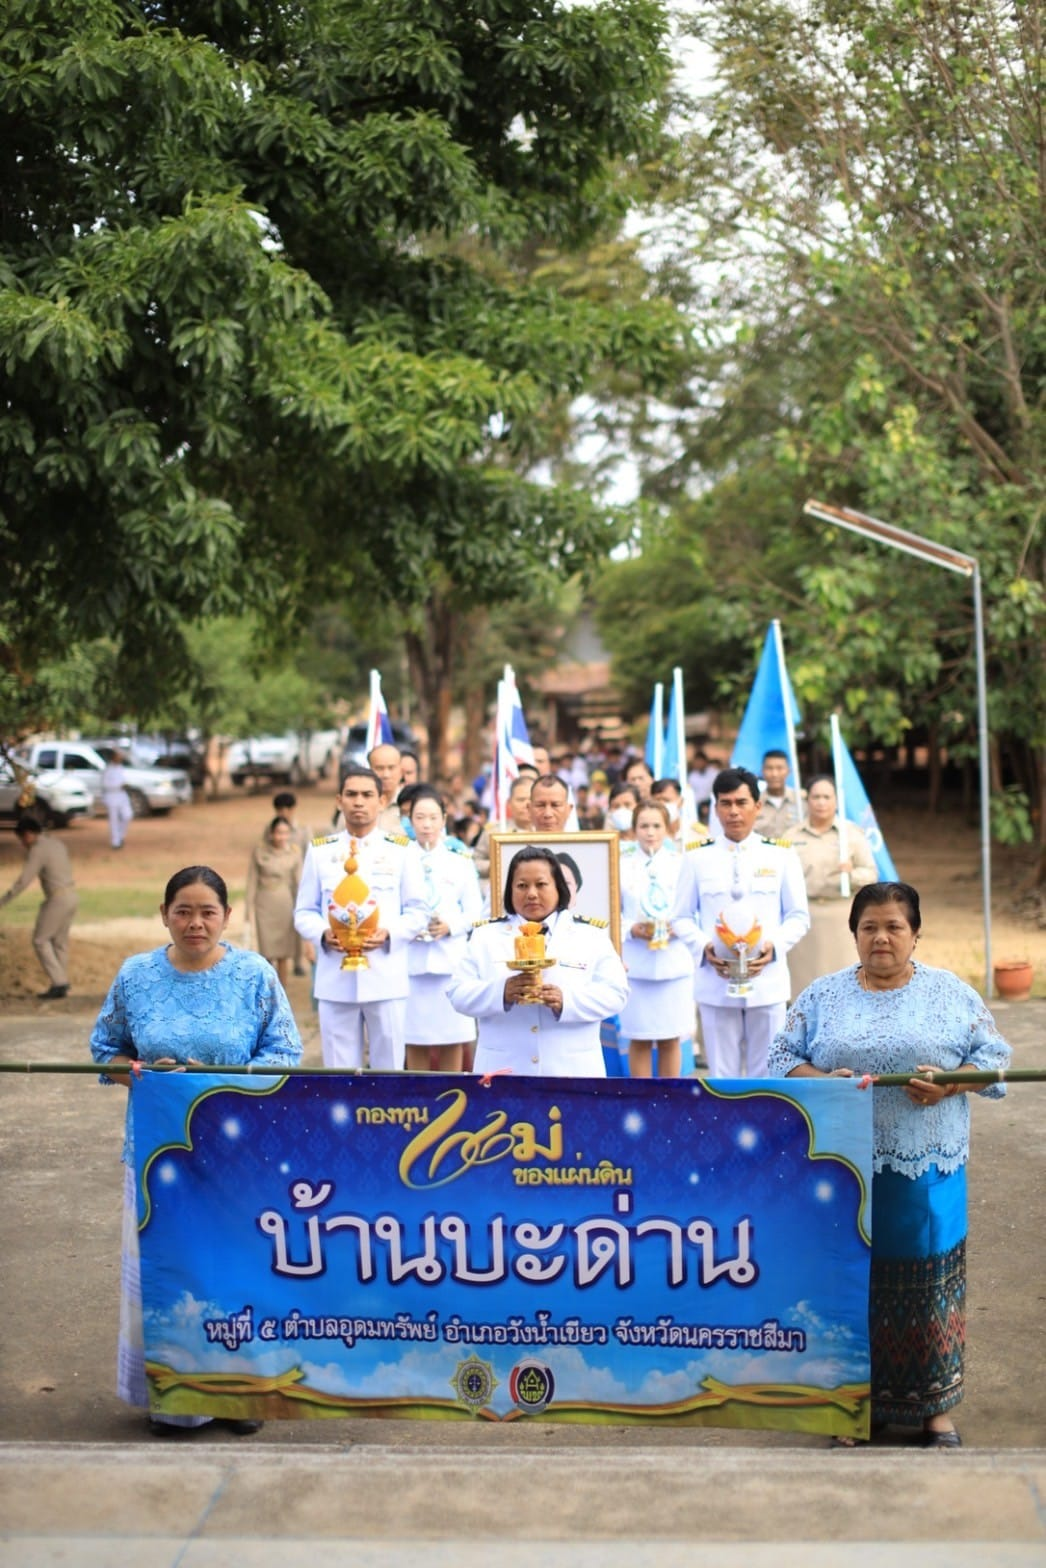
{"x":779,"y":806}
{"x":386,"y":761}
{"x":48,"y":859}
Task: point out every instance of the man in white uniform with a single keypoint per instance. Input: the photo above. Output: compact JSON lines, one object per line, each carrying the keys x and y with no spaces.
{"x":741,"y":879}
{"x":375,"y":997}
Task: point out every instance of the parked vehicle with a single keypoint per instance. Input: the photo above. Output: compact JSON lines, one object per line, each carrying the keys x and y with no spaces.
{"x":151,"y":790}
{"x":55,"y":799}
{"x":356,"y":741}
{"x":292,"y":758}
{"x":182,"y":753}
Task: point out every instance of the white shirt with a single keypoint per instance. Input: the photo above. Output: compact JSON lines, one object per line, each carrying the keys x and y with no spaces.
{"x":395,"y":887}
{"x":756,"y":880}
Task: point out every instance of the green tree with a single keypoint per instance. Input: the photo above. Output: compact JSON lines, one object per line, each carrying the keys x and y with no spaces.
{"x":249,"y":362}
{"x":864,"y":193}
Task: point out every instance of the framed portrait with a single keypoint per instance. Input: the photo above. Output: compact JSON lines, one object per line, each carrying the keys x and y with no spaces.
{"x":590,"y":865}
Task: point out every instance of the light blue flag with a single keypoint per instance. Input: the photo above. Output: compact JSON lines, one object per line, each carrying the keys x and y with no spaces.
{"x":772,"y":715}
{"x":675,"y":737}
{"x":653,"y":754}
{"x":859,"y":810}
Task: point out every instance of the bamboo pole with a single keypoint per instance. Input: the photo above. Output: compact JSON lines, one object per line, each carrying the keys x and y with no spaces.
{"x":250,"y":1069}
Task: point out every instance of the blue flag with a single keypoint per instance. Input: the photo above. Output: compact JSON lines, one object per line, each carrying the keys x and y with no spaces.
{"x":772,"y":714}
{"x":859,"y":810}
{"x":653,"y":754}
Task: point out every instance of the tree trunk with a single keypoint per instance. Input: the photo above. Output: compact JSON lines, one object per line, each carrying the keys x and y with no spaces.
{"x":933,"y":757}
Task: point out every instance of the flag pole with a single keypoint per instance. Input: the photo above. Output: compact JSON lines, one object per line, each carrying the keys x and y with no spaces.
{"x":782,"y":675}
{"x":840,"y":797}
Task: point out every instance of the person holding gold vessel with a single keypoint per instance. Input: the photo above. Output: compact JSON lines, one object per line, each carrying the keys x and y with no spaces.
{"x":540,"y":979}
{"x":361,"y":901}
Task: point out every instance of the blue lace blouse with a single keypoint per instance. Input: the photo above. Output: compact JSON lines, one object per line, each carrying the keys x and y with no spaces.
{"x":936,"y":1019}
{"x":234,"y":1013}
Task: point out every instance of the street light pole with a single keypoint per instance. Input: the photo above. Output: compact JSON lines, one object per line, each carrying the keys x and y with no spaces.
{"x":967,"y":566}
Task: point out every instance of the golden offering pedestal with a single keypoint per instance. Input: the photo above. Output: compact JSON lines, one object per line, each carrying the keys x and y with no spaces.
{"x":533,"y":967}
{"x":348,"y":929}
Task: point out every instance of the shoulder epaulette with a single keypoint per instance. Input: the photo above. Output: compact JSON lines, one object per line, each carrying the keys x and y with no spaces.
{"x":592,"y":920}
{"x":499,"y":920}
{"x":456,"y":847}
{"x":325,"y":838}
{"x":396,"y":838}
{"x":699,"y":843}
{"x":780,"y":842}
{"x":629,"y":847}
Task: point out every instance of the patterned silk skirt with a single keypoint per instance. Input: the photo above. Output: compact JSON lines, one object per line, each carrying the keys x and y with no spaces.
{"x":918,"y":1294}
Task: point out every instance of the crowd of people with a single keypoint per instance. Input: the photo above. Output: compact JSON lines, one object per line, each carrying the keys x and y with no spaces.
{"x":749,"y":918}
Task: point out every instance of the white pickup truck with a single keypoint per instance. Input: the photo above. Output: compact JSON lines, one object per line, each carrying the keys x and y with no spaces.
{"x":292,"y":758}
{"x":151,"y":790}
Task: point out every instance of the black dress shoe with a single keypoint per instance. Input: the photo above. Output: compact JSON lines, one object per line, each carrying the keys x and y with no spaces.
{"x":53,"y":993}
{"x":168,"y":1429}
{"x":238,"y":1428}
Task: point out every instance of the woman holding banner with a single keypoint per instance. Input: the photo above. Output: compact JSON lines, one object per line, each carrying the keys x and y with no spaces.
{"x":889,"y":1014}
{"x":836,"y":861}
{"x":196,"y":1002}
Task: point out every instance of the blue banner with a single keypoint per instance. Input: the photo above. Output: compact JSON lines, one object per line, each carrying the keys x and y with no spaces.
{"x":413,"y":1245}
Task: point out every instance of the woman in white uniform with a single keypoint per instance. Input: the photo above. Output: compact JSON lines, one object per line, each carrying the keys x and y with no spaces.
{"x":455,"y":904}
{"x":660,"y":1006}
{"x":557,"y":1036}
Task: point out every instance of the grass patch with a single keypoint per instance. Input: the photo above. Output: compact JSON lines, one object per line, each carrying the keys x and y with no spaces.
{"x":99,"y":903}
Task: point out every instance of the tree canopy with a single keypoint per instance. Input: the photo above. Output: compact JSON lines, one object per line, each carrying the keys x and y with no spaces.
{"x":249,"y":359}
{"x":860,"y":207}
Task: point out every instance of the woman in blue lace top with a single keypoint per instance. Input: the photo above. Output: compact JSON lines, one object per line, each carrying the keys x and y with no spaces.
{"x":195,"y":1001}
{"x":889,"y":1014}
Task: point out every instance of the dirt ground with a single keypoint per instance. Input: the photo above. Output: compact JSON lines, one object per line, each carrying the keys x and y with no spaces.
{"x":939,"y":855}
{"x":60,"y":1139}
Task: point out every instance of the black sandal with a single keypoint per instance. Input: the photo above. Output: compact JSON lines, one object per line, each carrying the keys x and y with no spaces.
{"x":934,"y":1439}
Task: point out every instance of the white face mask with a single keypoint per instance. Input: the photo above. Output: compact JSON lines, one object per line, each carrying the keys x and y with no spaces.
{"x":621,"y":817}
{"x":673,"y":810}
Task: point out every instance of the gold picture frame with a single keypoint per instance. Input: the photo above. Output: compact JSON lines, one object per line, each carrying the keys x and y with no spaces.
{"x":594,"y":864}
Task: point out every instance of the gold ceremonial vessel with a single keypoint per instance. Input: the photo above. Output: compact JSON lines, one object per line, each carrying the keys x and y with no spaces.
{"x":348,"y":925}
{"x":531,"y":959}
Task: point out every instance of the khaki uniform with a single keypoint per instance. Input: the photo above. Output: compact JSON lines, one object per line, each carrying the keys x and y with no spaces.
{"x":49,"y":860}
{"x":828,"y":945}
{"x":776,"y":818}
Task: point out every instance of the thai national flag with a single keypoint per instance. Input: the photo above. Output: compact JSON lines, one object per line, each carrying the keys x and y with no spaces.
{"x":518,"y":734}
{"x":379,"y":727}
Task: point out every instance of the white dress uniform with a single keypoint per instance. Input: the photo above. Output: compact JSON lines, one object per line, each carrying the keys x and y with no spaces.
{"x":452,"y":892}
{"x":376,"y":996}
{"x":117,"y":802}
{"x":660,"y":1002}
{"x":756,"y":880}
{"x":528,"y":1038}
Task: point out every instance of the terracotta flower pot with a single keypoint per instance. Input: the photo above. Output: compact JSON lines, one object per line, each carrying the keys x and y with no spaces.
{"x":1013,"y":978}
